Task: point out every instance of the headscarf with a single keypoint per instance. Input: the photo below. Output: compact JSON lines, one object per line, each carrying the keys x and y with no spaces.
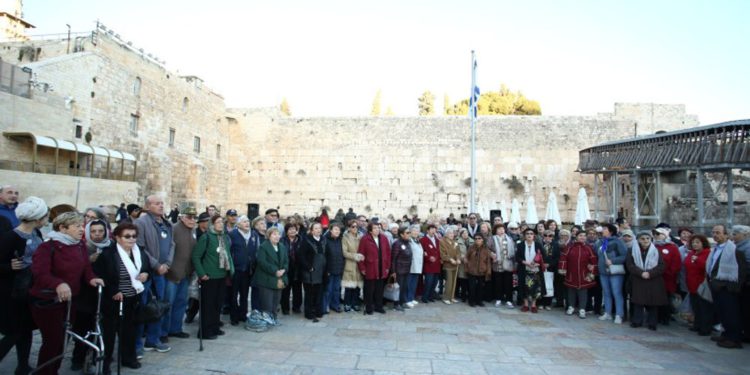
{"x":31,"y":209}
{"x":652,"y":257}
{"x":106,"y":242}
{"x":223,"y":258}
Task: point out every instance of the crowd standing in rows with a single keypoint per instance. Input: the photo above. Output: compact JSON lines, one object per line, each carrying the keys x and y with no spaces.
{"x":252,"y":269}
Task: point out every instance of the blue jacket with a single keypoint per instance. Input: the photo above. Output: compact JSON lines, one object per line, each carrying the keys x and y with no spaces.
{"x":9,"y":212}
{"x":616,"y":252}
{"x":244,"y":254}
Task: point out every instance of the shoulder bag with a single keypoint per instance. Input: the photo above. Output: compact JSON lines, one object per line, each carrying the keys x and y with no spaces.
{"x":153,"y":310}
{"x":614,"y":269}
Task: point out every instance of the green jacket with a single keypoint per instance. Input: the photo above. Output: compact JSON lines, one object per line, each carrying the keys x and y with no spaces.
{"x":269,"y":261}
{"x":206,"y":258}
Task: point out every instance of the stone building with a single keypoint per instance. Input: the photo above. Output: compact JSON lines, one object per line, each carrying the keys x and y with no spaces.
{"x":12,"y":24}
{"x":95,"y":120}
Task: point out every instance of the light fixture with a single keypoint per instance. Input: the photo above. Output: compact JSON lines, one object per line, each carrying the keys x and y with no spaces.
{"x":677,"y":160}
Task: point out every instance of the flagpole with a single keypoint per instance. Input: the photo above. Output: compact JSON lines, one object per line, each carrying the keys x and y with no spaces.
{"x":472,"y":204}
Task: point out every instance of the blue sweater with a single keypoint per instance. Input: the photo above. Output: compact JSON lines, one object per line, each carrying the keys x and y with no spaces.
{"x":243,"y":253}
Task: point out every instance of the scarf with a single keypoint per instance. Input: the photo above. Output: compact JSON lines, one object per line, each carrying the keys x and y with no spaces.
{"x":222,"y":249}
{"x":728,"y":267}
{"x":652,"y":257}
{"x":106,"y":242}
{"x":132,"y":268}
{"x":605,"y":243}
{"x":62,"y":238}
{"x":245,"y":235}
{"x":530,"y":251}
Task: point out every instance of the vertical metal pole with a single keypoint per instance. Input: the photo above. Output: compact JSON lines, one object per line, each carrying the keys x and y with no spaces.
{"x":657,"y":205}
{"x":472,"y":204}
{"x":596,"y":196}
{"x":699,"y":203}
{"x":613,"y":176}
{"x":636,"y":210}
{"x":730,"y":198}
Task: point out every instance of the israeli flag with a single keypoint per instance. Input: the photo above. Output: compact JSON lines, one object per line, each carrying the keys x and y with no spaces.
{"x":474,"y":98}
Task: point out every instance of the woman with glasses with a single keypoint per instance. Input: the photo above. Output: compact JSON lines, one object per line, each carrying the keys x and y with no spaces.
{"x":464,"y":243}
{"x":291,"y":243}
{"x":646,"y":268}
{"x":550,"y":258}
{"x":376,"y":250}
{"x":530,"y":265}
{"x":578,"y":265}
{"x":351,"y":280}
{"x":401,"y":265}
{"x":124,"y":268}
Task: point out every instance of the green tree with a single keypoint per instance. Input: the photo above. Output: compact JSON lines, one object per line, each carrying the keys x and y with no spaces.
{"x":501,"y":102}
{"x":447,"y":107}
{"x":284,"y":107}
{"x":426,"y":104}
{"x":375,"y":111}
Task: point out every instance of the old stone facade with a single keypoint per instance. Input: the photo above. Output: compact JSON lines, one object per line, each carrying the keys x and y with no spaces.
{"x":193,"y":150}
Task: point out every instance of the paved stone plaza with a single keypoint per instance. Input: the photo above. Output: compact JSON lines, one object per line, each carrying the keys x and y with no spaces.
{"x":440,"y":339}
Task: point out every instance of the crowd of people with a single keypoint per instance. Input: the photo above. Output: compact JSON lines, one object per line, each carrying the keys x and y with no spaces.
{"x":253,"y":269}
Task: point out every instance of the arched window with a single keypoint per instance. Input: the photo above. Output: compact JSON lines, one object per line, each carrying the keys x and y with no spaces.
{"x":137,"y":86}
{"x":185,"y":103}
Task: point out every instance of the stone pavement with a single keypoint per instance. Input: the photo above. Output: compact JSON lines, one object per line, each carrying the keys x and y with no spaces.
{"x":439,"y":339}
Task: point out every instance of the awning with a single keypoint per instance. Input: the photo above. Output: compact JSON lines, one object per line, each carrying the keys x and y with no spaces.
{"x":62,"y":144}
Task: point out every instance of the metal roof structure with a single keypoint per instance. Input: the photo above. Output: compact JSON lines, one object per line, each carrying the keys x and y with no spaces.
{"x":712,"y":147}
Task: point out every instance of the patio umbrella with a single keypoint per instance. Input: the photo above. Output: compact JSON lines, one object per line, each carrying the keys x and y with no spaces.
{"x":504,"y":210}
{"x":531,"y":216}
{"x":515,"y":212}
{"x":553,"y":213}
{"x":582,"y":207}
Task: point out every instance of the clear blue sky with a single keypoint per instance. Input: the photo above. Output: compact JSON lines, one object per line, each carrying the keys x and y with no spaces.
{"x":330,"y":57}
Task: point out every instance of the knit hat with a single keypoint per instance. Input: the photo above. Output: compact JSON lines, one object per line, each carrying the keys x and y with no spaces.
{"x":645,"y":233}
{"x":203,"y":217}
{"x":31,"y":209}
{"x":627,"y":232}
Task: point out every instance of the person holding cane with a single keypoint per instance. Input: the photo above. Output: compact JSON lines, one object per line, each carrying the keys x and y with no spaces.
{"x":450,"y":256}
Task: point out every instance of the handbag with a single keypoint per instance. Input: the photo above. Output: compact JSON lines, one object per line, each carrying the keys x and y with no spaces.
{"x":549,"y":283}
{"x":391,"y":292}
{"x":704,"y":291}
{"x":153,"y":310}
{"x":615,"y":269}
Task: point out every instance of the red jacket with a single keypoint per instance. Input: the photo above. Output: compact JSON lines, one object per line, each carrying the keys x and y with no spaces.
{"x":575,"y":260}
{"x":430,"y":250}
{"x":69,"y":264}
{"x":369,"y":266}
{"x":695,"y":269}
{"x":672,"y":262}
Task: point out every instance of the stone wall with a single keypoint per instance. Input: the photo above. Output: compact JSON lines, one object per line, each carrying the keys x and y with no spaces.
{"x":387,"y":165}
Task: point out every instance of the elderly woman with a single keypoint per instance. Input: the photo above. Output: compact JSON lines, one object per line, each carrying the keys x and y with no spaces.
{"x":334,"y":269}
{"x":479,"y":269}
{"x":401,"y":266}
{"x":93,"y":213}
{"x":530,"y":265}
{"x":352,"y":279}
{"x":695,"y":274}
{"x":561,"y":291}
{"x":270,"y":277}
{"x":375,"y":268}
{"x":257,"y":237}
{"x":431,"y":266}
{"x":415,"y":269}
{"x":312,"y":262}
{"x":670,"y":253}
{"x":213,"y":263}
{"x":450,"y":257}
{"x":291,"y":241}
{"x":464,"y":243}
{"x":59,"y":268}
{"x":646,"y":268}
{"x":550,"y":257}
{"x":503,"y":251}
{"x":244,"y":249}
{"x":124,"y":268}
{"x":16,"y":250}
{"x":578,"y":264}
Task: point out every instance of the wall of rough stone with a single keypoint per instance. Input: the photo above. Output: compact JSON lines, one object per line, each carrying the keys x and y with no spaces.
{"x":387,"y":165}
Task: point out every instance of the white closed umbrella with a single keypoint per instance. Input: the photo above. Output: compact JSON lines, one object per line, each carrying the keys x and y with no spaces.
{"x":553,"y":212}
{"x":515,"y":212}
{"x":504,"y":210}
{"x":582,"y":207}
{"x":531,"y":216}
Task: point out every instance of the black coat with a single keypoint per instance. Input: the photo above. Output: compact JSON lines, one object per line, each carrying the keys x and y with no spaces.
{"x":521,"y":268}
{"x":334,"y":255}
{"x":312,"y":260}
{"x":552,"y":257}
{"x":107,"y":267}
{"x":293,"y":254}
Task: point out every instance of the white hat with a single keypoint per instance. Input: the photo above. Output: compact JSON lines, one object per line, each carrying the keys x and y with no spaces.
{"x":663,"y":231}
{"x":31,"y":209}
{"x":512,"y":225}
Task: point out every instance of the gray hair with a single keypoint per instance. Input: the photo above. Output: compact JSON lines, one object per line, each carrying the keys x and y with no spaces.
{"x":450,"y":229}
{"x":67,"y":219}
{"x":645,"y":233}
{"x":415,"y":227}
{"x":98,"y":211}
{"x":242,"y":218}
{"x":565,"y":232}
{"x":741,"y":229}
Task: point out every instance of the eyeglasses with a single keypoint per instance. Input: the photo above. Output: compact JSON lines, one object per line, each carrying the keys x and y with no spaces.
{"x":129,"y":236}
{"x":353,"y":226}
{"x":549,"y":235}
{"x":91,"y":217}
{"x":189,"y":217}
{"x":472,"y":218}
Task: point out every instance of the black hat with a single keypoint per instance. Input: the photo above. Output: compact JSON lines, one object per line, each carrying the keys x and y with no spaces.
{"x":271,"y":210}
{"x":232,"y":212}
{"x":663,"y":225}
{"x":133,"y":207}
{"x":203,"y":217}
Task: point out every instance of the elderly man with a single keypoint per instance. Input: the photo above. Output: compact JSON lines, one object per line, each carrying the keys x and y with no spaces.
{"x":742,"y":240}
{"x":156,"y":240}
{"x":178,"y":276}
{"x":272,"y":220}
{"x":8,"y":204}
{"x":473,"y":225}
{"x":725,"y":270}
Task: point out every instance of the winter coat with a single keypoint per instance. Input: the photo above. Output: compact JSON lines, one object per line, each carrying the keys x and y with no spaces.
{"x":401,"y":257}
{"x":509,"y":251}
{"x":268,"y":262}
{"x":206,"y":258}
{"x":352,"y":278}
{"x":449,"y":250}
{"x":292,"y":251}
{"x":695,"y":269}
{"x":463,"y":247}
{"x":184,"y":242}
{"x":672,"y":262}
{"x":521,"y":269}
{"x":148,"y":240}
{"x":107,"y":267}
{"x":551,"y":256}
{"x":574,"y":260}
{"x":430,"y":251}
{"x":377,"y":263}
{"x":651,"y":291}
{"x":479,"y":262}
{"x":334,"y":255}
{"x":312,"y":260}
{"x":243,"y":252}
{"x":616,"y":253}
{"x":69,"y":264}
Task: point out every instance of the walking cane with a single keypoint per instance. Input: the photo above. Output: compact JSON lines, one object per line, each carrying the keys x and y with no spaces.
{"x":200,"y":317}
{"x":455,"y":278}
{"x":119,"y":335}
